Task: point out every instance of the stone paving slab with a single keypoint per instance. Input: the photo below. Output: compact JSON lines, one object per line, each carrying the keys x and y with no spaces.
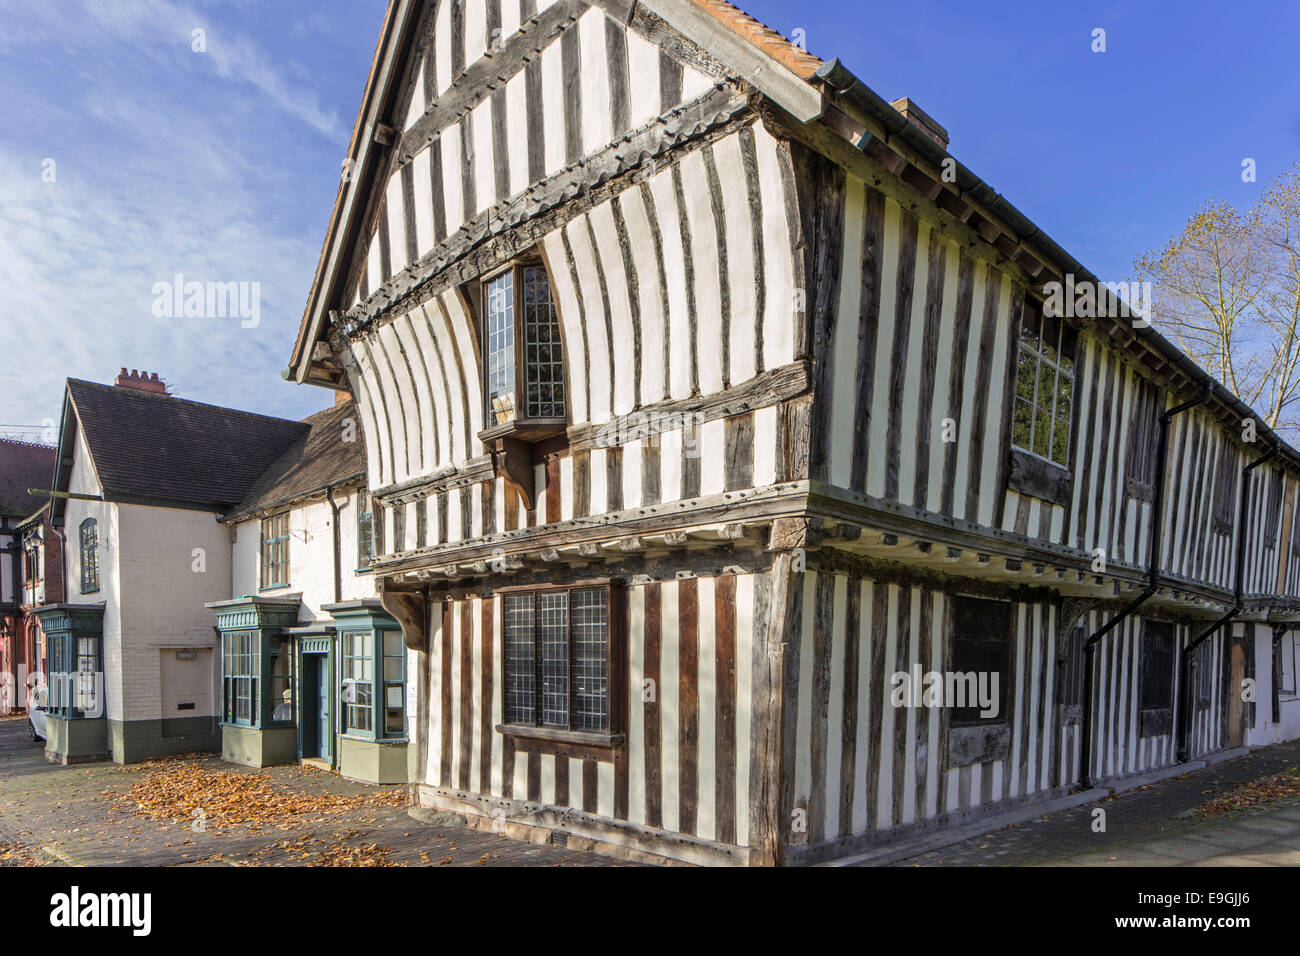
{"x":65,"y":811}
{"x":1149,"y":826}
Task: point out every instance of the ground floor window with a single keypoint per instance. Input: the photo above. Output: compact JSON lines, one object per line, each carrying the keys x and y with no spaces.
{"x":239,"y":677}
{"x":1157,"y":666}
{"x":981,"y":657}
{"x":1287,"y":649}
{"x":76,"y":675}
{"x":358,"y":683}
{"x":556,"y":646}
{"x":256,"y":679}
{"x":373,"y":680}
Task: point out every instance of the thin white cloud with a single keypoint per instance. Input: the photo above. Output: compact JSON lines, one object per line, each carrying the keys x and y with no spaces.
{"x":166,"y":163}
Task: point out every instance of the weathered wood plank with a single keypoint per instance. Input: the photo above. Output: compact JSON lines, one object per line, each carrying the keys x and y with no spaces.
{"x":688,"y":704}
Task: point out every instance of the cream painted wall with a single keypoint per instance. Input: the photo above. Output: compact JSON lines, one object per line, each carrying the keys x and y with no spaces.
{"x":83,"y":480}
{"x":171,"y":563}
{"x":1265,"y":730}
{"x":311,"y":557}
{"x":152,"y":592}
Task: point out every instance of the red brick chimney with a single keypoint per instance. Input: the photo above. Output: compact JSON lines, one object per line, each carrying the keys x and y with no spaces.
{"x":921,"y":120}
{"x":142,"y":382}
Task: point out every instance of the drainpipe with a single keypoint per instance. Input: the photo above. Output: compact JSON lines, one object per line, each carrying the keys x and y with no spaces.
{"x":1153,"y":583}
{"x":63,"y":566}
{"x":1187,"y":658}
{"x":334,"y":527}
{"x":1279,"y":631}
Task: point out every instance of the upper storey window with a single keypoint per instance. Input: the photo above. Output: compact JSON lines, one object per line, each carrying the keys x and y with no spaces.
{"x":1044,"y":388}
{"x":89,"y":556}
{"x":524,"y":354}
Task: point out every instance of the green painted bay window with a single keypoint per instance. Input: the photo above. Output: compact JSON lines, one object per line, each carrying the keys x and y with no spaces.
{"x":359,"y":683}
{"x":257,"y":661}
{"x":372,"y":678}
{"x":256,"y":679}
{"x":75,"y":648}
{"x":374,"y":684}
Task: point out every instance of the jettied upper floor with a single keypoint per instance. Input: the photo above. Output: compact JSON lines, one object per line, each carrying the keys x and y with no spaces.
{"x":677,"y":173}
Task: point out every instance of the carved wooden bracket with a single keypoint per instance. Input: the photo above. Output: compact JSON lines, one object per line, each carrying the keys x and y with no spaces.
{"x":795,"y":533}
{"x":411,"y":611}
{"x":512,"y":459}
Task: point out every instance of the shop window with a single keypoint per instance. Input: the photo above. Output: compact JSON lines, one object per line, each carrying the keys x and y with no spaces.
{"x":256,"y":679}
{"x":373,"y":684}
{"x":76,"y":675}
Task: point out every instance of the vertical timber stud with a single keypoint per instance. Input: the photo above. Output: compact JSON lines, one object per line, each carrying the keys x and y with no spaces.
{"x":821,"y":201}
{"x":769,"y":817}
{"x":776,"y":689}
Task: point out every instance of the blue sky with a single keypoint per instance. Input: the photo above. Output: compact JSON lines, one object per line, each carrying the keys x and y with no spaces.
{"x":222,"y":165}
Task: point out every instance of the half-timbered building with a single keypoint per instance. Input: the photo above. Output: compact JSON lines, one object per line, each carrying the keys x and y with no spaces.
{"x":710,"y":404}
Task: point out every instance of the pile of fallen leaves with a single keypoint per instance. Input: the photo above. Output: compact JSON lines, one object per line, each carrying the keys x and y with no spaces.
{"x":190,"y":792}
{"x":19,"y":854}
{"x":1255,"y":795}
{"x":340,"y":850}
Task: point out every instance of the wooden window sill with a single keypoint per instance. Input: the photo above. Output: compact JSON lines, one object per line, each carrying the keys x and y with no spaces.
{"x":571,"y":743}
{"x":1039,"y":478}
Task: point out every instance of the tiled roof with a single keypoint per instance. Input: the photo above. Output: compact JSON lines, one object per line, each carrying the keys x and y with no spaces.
{"x":165,"y":448}
{"x":23,"y":466}
{"x":798,"y":60}
{"x":320,"y":458}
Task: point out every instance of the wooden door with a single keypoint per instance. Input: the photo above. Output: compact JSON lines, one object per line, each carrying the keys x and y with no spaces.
{"x":1236,"y":707}
{"x":324,"y":724}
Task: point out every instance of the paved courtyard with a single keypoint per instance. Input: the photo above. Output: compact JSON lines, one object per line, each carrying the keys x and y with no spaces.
{"x":105,"y":815}
{"x":84,"y":815}
{"x":1151,"y":826}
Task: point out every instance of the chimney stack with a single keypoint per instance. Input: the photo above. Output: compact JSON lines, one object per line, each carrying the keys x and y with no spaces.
{"x":141,"y":382}
{"x":922,"y":121}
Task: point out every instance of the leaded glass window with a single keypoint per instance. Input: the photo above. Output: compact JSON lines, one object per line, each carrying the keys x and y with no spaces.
{"x":556,"y":645}
{"x":1044,"y":388}
{"x":524,"y":348}
{"x":500,"y":311}
{"x":543,"y":350}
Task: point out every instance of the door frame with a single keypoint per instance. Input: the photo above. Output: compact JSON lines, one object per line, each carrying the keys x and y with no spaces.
{"x":311,"y":652}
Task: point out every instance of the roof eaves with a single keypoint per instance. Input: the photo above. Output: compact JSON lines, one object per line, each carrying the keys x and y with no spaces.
{"x":393,"y":36}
